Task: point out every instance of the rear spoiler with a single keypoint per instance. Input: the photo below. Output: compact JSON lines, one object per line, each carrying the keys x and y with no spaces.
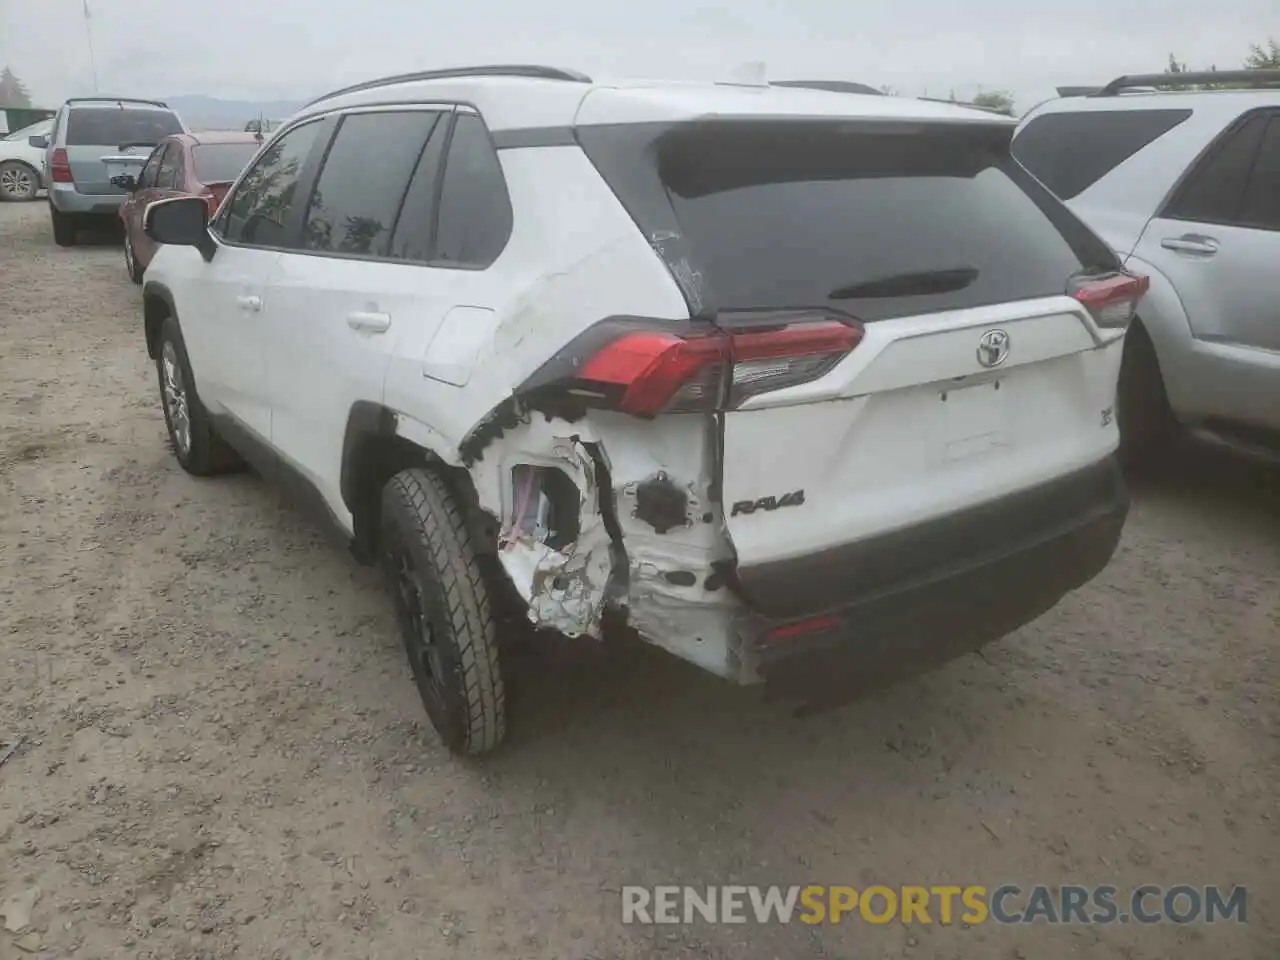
{"x":120,"y":100}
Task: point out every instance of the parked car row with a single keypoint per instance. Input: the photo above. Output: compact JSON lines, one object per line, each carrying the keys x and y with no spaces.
{"x":629,"y":353}
{"x":104,"y":159}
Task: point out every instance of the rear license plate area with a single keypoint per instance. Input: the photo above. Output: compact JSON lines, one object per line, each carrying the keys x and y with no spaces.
{"x":974,"y":419}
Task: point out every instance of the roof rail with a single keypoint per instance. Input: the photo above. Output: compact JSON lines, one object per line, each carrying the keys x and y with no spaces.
{"x":1255,"y":78}
{"x":154,"y":103}
{"x":833,"y":86}
{"x":530,"y":71}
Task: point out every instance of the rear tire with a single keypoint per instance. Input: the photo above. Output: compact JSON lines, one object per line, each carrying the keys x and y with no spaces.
{"x":64,"y":227}
{"x":1146,"y":421}
{"x":18,"y":182}
{"x":444,"y":611}
{"x":192,"y":437}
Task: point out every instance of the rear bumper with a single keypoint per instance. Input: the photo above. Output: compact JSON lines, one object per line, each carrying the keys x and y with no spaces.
{"x":919,"y":597}
{"x":67,"y":199}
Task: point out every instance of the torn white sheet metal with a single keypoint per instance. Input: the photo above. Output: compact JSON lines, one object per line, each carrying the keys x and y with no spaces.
{"x":569,"y":590}
{"x":566,"y":590}
{"x":689,"y":622}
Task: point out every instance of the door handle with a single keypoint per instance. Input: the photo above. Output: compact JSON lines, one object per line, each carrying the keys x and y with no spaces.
{"x":369,"y":322}
{"x":250,"y":303}
{"x":1191,"y":243}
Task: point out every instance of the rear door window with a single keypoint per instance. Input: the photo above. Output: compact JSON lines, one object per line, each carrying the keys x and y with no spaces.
{"x":221,"y":162}
{"x":1262,"y":196}
{"x":876,"y":224}
{"x":1214,"y":190}
{"x":363,"y":181}
{"x":115,"y":126}
{"x":1070,"y":152}
{"x":414,"y":237}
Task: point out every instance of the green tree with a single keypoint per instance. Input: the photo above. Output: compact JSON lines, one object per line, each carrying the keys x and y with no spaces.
{"x":1000,"y":101}
{"x":13,"y":93}
{"x":1263,"y":56}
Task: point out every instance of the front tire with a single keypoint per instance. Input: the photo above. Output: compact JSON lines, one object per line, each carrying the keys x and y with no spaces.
{"x":444,"y":611}
{"x":192,"y":437}
{"x":18,"y":182}
{"x":64,"y":227}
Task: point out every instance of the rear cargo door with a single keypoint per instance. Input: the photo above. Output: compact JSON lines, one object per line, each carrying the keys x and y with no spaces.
{"x":103,"y":142}
{"x":975,"y":377}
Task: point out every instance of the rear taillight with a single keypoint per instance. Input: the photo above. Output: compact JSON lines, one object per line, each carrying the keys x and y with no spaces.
{"x":648,"y":371}
{"x":60,"y":167}
{"x":1112,"y":299}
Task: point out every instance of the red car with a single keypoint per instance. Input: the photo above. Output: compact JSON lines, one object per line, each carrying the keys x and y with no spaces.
{"x":199,"y":164}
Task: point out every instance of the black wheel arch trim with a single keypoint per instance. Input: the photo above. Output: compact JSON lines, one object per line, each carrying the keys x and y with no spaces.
{"x":154,"y":290}
{"x":366,"y":421}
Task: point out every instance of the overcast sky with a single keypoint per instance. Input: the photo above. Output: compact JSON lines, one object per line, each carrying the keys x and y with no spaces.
{"x":267,"y":49}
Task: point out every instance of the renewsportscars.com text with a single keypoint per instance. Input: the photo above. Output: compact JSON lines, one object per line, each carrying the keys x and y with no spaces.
{"x":971,"y":905}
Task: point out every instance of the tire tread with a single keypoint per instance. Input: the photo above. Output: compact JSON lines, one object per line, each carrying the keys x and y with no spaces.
{"x":442,"y":531}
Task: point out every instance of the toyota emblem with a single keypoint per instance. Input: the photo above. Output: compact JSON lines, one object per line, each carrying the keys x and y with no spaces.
{"x":993,"y":348}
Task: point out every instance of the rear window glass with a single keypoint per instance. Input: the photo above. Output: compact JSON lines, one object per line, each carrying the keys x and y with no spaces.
{"x":112,"y":126}
{"x":218,"y":162}
{"x":1070,"y":152}
{"x":876,"y":224}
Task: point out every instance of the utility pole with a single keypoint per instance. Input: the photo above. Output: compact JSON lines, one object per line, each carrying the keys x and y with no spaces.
{"x":88,"y":32}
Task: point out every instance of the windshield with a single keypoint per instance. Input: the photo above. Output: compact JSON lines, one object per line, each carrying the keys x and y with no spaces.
{"x":113,"y":126}
{"x":219,"y":162}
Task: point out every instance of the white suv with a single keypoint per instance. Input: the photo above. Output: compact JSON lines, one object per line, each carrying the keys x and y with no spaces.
{"x":804,"y":387}
{"x":1185,"y":185}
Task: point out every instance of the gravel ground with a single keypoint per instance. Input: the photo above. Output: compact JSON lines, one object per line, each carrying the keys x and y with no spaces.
{"x":225,"y":756}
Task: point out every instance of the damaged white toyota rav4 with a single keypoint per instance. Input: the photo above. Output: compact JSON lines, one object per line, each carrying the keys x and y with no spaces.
{"x":804,"y":387}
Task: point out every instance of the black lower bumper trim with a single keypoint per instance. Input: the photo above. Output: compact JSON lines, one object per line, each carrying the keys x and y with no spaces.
{"x":893,"y":562}
{"x":947,"y":611}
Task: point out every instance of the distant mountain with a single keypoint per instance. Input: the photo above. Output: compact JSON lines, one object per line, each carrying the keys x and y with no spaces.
{"x":209,"y":113}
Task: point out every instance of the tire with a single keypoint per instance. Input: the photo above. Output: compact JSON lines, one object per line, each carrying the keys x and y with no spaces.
{"x":444,"y":612}
{"x":18,"y":182}
{"x":192,"y":437}
{"x":131,"y":259}
{"x":1147,"y":424}
{"x":64,"y":227}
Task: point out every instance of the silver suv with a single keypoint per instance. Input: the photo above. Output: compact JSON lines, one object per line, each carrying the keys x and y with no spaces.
{"x":1184,"y":184}
{"x":95,"y":140}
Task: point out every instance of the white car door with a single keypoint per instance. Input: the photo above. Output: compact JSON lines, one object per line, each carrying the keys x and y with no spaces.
{"x":392,"y":296}
{"x":355,"y":288}
{"x":227,"y":337}
{"x":1218,"y":242}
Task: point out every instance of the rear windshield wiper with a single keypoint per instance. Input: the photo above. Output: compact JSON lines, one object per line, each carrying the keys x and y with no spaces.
{"x":137,"y":143}
{"x":920,"y":283}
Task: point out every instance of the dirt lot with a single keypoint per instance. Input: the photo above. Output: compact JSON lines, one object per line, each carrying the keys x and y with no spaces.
{"x":225,"y":755}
